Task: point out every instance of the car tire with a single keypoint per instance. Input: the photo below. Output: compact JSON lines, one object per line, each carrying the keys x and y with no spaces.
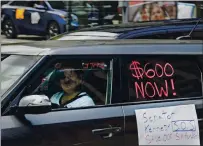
{"x":53,"y":29}
{"x":9,"y":29}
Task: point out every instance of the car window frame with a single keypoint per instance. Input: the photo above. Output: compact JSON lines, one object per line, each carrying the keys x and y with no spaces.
{"x":122,"y":81}
{"x":42,"y":62}
{"x":24,"y":4}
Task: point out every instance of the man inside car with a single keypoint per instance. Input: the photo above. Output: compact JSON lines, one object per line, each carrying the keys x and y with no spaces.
{"x":72,"y":94}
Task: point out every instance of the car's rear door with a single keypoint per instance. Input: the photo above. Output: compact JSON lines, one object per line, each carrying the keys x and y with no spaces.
{"x":17,"y":10}
{"x":36,"y":19}
{"x":154,"y":81}
{"x":28,"y":19}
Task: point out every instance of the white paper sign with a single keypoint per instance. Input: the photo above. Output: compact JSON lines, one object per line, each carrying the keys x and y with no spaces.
{"x":35,"y":17}
{"x":185,"y":10}
{"x":175,"y":125}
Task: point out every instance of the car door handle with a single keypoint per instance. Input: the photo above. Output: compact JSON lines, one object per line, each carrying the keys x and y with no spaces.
{"x":106,"y":132}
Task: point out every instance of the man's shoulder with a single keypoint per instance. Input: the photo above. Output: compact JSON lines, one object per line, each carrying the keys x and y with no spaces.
{"x":84,"y":96}
{"x":84,"y":100}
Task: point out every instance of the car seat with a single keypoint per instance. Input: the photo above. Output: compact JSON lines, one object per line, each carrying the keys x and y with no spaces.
{"x":98,"y":86}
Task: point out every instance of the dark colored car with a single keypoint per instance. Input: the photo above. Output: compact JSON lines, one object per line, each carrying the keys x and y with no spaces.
{"x":170,"y":29}
{"x":109,"y":69}
{"x":34,"y":18}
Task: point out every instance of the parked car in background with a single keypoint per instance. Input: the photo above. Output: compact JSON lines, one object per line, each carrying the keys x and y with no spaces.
{"x":34,"y":18}
{"x":110,"y":76}
{"x":171,"y":29}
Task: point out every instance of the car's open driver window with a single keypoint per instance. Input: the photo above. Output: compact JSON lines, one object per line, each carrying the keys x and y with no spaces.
{"x":77,"y":83}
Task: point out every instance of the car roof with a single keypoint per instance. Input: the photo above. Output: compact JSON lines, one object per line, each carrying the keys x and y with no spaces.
{"x":139,"y":25}
{"x":99,"y":35}
{"x":106,"y":47}
{"x":161,"y":30}
{"x":128,"y":27}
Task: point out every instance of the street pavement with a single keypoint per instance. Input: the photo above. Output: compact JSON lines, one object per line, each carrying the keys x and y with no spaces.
{"x":21,"y":38}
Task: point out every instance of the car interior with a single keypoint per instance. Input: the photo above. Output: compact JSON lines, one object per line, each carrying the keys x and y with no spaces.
{"x":96,"y":84}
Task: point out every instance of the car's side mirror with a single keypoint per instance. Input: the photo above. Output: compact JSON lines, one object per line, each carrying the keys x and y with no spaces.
{"x":34,"y":104}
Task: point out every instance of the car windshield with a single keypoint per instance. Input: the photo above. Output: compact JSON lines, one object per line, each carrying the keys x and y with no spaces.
{"x":13,"y":67}
{"x":88,"y":35}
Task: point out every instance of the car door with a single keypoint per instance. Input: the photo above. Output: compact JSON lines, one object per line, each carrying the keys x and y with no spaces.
{"x":35,"y":19}
{"x":21,"y":15}
{"x":11,"y":10}
{"x":160,"y":81}
{"x":102,"y":124}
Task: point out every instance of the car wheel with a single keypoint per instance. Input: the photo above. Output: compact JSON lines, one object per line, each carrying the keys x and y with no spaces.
{"x":53,"y":29}
{"x":8,"y":29}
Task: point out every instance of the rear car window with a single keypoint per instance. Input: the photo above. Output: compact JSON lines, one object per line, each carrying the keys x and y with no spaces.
{"x":57,"y":4}
{"x":162,"y":77}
